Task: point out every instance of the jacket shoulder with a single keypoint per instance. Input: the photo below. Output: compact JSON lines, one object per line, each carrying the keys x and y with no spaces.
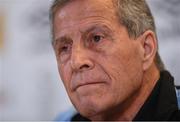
{"x":175,"y":116}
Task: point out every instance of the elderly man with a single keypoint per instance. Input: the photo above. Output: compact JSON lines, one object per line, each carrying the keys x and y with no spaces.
{"x":107,"y":58}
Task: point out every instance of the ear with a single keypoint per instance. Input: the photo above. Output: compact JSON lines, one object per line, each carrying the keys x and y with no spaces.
{"x":149,"y":46}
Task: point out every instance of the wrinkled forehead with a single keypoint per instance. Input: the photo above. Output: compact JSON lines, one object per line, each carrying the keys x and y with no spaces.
{"x":78,"y":9}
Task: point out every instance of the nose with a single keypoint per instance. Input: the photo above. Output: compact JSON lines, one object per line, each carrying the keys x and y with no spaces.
{"x":80,"y":60}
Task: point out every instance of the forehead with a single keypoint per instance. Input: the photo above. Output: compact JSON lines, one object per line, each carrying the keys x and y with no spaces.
{"x":77,"y":10}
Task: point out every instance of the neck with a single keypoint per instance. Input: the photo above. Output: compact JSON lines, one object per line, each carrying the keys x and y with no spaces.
{"x":136,"y":101}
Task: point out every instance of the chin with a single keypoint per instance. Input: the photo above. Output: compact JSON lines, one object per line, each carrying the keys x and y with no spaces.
{"x":88,"y":107}
{"x":94,"y":108}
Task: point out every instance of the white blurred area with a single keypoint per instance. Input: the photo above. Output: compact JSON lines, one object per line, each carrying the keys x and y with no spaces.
{"x":30,"y":87}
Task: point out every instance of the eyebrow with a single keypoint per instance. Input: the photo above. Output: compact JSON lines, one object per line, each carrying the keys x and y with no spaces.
{"x":96,"y":27}
{"x":66,"y":38}
{"x":63,"y":39}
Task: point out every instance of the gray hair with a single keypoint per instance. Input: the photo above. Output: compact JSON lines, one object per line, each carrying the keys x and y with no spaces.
{"x":135,"y":15}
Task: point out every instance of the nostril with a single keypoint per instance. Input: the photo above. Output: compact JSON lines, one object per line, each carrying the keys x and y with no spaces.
{"x":85,"y":66}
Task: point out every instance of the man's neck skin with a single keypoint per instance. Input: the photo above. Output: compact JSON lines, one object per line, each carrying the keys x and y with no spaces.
{"x":132,"y":106}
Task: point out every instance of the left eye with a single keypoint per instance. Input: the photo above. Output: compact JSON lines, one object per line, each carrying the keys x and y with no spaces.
{"x":97,"y":38}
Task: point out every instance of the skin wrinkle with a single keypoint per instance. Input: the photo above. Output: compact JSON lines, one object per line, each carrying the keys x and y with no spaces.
{"x":94,"y":14}
{"x":118,"y":61}
{"x":126,"y":12}
{"x":97,"y":28}
{"x":78,"y":24}
{"x":68,"y":38}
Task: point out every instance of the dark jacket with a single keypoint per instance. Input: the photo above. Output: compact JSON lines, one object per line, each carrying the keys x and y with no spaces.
{"x":160,"y":105}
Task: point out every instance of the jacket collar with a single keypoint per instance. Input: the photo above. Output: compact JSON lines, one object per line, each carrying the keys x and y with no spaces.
{"x":162,"y":102}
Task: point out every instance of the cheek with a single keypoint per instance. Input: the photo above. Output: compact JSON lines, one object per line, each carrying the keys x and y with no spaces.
{"x":122,"y":62}
{"x":125,"y":69}
{"x":65,"y":74}
{"x":129,"y":67}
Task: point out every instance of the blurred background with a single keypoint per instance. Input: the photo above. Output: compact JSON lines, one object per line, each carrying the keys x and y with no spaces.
{"x":30,"y":87}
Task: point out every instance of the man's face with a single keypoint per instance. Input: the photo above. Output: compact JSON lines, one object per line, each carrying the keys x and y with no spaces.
{"x":100,"y":65}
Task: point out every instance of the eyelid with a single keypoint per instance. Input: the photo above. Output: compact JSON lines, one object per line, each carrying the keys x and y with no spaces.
{"x":97,"y":33}
{"x":63,"y":39}
{"x":100,"y":35}
{"x":62,"y":45}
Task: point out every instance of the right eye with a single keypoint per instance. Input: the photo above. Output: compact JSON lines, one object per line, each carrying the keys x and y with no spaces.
{"x":65,"y":48}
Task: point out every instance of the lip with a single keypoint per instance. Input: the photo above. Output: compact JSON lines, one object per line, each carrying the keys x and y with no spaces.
{"x":87,"y":83}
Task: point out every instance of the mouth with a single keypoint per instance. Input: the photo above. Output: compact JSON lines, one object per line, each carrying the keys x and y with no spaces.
{"x":87,"y":84}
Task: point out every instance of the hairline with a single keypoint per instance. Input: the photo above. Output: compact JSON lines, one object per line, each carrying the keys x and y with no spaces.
{"x":59,"y":5}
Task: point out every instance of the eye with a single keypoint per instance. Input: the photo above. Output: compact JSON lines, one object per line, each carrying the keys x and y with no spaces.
{"x":65,"y":48}
{"x":97,"y":38}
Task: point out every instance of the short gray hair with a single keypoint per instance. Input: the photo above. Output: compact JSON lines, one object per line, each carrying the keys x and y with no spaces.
{"x":135,"y":15}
